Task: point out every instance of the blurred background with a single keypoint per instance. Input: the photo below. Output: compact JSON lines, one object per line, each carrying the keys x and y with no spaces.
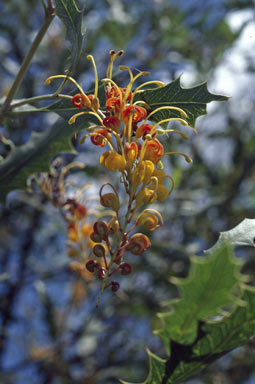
{"x":50,"y":330}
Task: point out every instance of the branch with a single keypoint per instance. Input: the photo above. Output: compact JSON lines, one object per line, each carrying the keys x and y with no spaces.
{"x":49,"y":15}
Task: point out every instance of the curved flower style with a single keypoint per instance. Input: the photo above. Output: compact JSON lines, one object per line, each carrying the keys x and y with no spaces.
{"x":125,"y":125}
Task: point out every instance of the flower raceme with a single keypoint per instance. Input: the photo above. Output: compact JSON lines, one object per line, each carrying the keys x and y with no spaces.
{"x":125,"y":125}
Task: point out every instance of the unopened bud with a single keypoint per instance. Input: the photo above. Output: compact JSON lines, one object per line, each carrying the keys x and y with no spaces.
{"x":113,"y":226}
{"x":126,"y":268}
{"x":115,"y":286}
{"x":110,"y":200}
{"x":100,"y":228}
{"x":91,"y":265}
{"x":95,"y":237}
{"x":99,"y":250}
{"x":149,"y":219}
{"x":138,"y":244}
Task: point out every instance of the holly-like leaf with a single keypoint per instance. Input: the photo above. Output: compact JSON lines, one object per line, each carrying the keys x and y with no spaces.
{"x":192,"y":339}
{"x":215,"y":339}
{"x":34,"y":156}
{"x":208,"y":288}
{"x":192,"y":100}
{"x":70,"y":15}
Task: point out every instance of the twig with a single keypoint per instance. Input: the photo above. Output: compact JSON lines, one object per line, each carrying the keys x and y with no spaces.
{"x":49,"y":15}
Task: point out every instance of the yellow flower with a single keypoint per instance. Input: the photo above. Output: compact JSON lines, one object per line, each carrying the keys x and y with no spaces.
{"x":131,"y":151}
{"x":160,"y":175}
{"x":138,"y":175}
{"x":113,"y":161}
{"x":149,"y":168}
{"x":146,"y":196}
{"x":162,"y":193}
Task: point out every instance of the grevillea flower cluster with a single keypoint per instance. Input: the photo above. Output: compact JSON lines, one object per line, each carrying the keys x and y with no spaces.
{"x":124,"y":127}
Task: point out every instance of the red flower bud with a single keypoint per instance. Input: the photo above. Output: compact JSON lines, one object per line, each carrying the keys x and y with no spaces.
{"x":126,"y":268}
{"x":115,"y":286}
{"x":91,"y":265}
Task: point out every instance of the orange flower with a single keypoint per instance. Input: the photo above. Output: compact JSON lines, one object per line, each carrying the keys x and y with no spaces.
{"x":97,"y":138}
{"x":113,"y":104}
{"x":112,"y":122}
{"x":138,"y":113}
{"x":80,"y":101}
{"x":143,"y":130}
{"x":153,"y":151}
{"x":113,"y":92}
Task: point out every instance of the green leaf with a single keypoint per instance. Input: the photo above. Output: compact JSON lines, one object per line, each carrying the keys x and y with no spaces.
{"x":208,"y":288}
{"x":69,"y":14}
{"x":34,"y":156}
{"x":192,"y":100}
{"x":215,"y":339}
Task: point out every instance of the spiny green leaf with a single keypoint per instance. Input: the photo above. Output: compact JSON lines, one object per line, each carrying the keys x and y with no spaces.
{"x":208,"y":288}
{"x":192,"y":100}
{"x":68,"y":12}
{"x":34,"y":156}
{"x":215,"y":339}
